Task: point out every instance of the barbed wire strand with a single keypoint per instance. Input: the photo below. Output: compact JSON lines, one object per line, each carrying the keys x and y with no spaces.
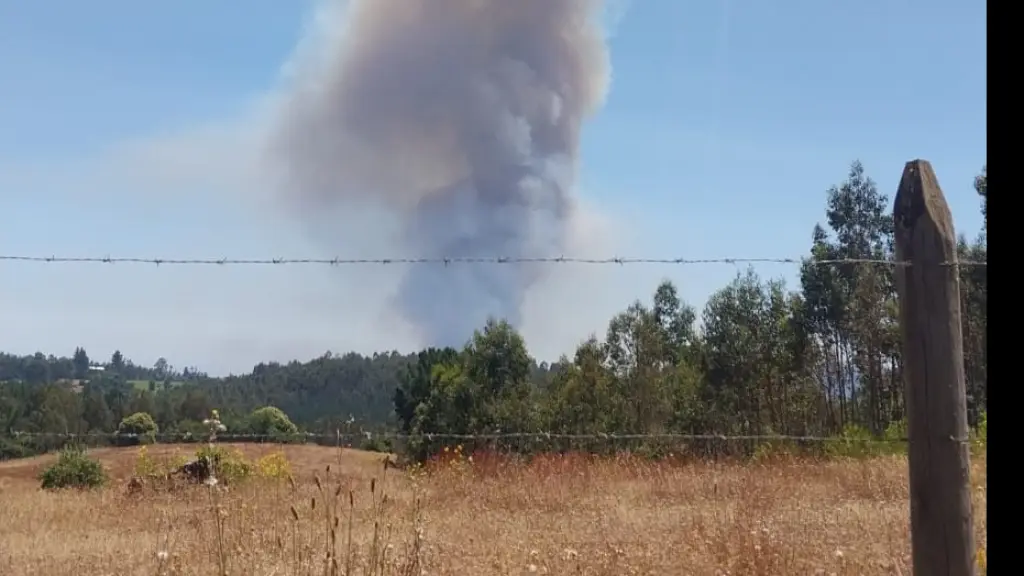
{"x":453,"y":260}
{"x":367,"y":435}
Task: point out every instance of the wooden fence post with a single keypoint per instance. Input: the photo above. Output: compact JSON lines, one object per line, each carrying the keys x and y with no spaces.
{"x":942,"y":531}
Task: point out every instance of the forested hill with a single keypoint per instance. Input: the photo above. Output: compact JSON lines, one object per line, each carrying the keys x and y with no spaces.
{"x":77,"y":394}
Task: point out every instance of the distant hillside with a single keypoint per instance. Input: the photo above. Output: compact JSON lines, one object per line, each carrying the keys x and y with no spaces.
{"x":61,"y":394}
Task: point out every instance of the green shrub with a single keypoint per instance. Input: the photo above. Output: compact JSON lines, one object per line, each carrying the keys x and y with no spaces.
{"x":229,"y":466}
{"x":895,"y":437}
{"x":11,"y":448}
{"x":271,"y":421}
{"x":764,"y":451}
{"x":896,"y":432}
{"x":853,"y":442}
{"x":858,"y":442}
{"x":73,"y":469}
{"x":376,"y":444}
{"x":138,"y":428}
{"x":979,"y":436}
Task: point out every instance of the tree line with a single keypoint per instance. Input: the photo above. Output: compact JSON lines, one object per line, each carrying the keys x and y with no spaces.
{"x":815,"y":360}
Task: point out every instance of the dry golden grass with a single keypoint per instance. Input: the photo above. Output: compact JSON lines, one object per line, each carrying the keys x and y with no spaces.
{"x":559,"y":516}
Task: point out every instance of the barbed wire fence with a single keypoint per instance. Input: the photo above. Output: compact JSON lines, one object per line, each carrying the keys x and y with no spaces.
{"x":349,"y":437}
{"x":454,"y":260}
{"x":523,"y":442}
{"x":661,"y":445}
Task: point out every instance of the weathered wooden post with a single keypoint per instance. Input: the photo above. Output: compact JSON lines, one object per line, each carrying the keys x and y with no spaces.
{"x":942,"y":532}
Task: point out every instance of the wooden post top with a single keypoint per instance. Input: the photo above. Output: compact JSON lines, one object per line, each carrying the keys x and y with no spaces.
{"x":920,"y":202}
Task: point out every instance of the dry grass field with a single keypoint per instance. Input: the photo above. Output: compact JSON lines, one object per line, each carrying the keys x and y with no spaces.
{"x":559,"y":516}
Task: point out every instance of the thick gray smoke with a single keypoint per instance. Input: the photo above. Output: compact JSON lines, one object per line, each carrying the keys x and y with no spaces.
{"x":462,"y":118}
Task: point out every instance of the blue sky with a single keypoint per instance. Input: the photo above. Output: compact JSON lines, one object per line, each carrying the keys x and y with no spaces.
{"x":131,"y":129}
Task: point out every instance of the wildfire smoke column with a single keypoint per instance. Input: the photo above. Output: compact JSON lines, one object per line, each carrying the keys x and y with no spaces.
{"x":462,"y":118}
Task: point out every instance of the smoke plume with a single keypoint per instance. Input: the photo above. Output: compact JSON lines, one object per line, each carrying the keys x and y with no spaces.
{"x":461,"y":118}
